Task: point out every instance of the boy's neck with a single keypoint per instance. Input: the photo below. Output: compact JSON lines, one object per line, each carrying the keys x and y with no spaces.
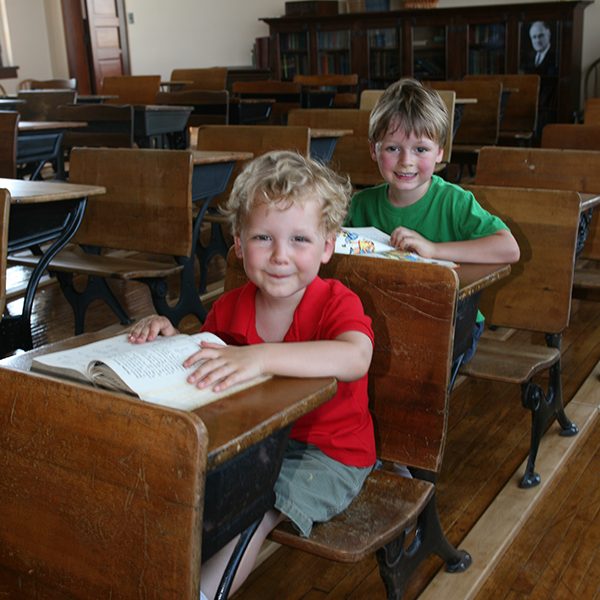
{"x":274,"y":316}
{"x":402,"y":199}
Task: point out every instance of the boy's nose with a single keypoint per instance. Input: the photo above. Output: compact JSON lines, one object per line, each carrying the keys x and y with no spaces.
{"x":279,"y":253}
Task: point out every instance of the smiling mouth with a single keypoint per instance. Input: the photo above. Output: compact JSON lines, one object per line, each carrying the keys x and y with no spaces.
{"x":405,"y":175}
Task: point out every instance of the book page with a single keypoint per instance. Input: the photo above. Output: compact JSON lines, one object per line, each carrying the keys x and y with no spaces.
{"x":154,"y":371}
{"x":362,"y":240}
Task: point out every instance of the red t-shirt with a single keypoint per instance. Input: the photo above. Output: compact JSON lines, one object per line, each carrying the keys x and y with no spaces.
{"x":342,"y":427}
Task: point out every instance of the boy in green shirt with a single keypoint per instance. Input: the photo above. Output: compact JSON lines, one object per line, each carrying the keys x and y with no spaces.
{"x":422,"y":212}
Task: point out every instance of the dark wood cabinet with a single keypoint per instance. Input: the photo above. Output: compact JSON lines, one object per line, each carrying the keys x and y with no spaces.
{"x":442,"y":43}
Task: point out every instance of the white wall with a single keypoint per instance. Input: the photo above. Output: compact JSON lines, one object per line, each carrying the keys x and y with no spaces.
{"x":183,"y":33}
{"x":195,"y":33}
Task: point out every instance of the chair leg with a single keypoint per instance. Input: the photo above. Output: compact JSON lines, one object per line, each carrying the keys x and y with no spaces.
{"x":397,"y":563}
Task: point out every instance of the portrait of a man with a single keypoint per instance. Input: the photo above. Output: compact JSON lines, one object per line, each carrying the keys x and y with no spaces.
{"x":539,"y":48}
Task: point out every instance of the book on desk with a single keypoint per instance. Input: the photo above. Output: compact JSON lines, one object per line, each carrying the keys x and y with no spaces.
{"x":370,"y":241}
{"x":152,"y":371}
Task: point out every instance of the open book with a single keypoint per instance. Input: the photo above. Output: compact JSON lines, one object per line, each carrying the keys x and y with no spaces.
{"x":370,"y":241}
{"x":152,"y":371}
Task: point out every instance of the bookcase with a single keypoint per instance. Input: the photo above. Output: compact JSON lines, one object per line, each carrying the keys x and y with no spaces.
{"x":436,"y":43}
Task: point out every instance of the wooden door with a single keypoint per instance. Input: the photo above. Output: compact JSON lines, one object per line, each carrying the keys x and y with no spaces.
{"x":108,"y":39}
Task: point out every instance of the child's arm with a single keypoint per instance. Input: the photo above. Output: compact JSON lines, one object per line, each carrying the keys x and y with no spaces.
{"x":347,"y":358}
{"x":500,"y":247}
{"x":148,"y":328}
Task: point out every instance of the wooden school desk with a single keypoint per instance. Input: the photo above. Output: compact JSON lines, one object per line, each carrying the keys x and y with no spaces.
{"x":246,"y":435}
{"x":323,"y":142}
{"x":40,"y":212}
{"x":160,"y":125}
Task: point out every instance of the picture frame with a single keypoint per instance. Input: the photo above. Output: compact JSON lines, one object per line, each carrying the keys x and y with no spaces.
{"x":539,"y":47}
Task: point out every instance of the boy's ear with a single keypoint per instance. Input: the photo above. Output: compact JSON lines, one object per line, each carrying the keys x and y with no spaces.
{"x":440,"y":155}
{"x":237,"y":244}
{"x":373,"y":150}
{"x":329,"y":249}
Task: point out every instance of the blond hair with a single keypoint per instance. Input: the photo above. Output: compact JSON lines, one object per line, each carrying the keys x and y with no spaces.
{"x":409,"y":106}
{"x":286,"y":178}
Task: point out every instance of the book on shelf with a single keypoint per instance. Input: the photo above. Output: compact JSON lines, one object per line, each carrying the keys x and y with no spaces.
{"x":370,"y":241}
{"x":152,"y":371}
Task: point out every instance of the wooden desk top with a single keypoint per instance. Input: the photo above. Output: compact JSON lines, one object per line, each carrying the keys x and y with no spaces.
{"x":319,"y":132}
{"x":27,"y":126}
{"x":33,"y":192}
{"x":589,"y":201}
{"x":475,"y":277}
{"x":162,"y":107}
{"x":234,"y":422}
{"x":465,"y":100}
{"x":206,"y":157}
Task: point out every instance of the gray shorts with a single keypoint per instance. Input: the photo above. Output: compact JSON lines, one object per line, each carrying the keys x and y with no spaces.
{"x":312,"y":487}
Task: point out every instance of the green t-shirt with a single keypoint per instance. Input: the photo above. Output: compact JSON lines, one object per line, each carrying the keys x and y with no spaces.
{"x":446,"y":213}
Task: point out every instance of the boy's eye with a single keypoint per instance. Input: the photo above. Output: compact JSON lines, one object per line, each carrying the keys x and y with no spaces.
{"x":300,"y":238}
{"x":261,"y":237}
{"x":422,"y":149}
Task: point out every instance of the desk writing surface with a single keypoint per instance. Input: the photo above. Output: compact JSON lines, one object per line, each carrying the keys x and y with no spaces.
{"x":235,"y":422}
{"x":320,"y":132}
{"x":29,"y":126}
{"x":206,"y":157}
{"x":474,"y":277}
{"x":34,"y":192}
{"x":465,"y":101}
{"x":589,"y":201}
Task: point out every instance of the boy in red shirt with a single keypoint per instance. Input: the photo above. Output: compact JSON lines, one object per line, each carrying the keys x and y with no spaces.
{"x":285,"y":211}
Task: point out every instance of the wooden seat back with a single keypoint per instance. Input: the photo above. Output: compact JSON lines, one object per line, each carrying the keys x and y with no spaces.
{"x":570,"y":136}
{"x":102,"y":495}
{"x":287,"y":96}
{"x":257,"y":139}
{"x":4,"y":216}
{"x":591,"y":111}
{"x":107,"y":125}
{"x":131,"y":89}
{"x":9,"y":123}
{"x":53,"y":84}
{"x":42,"y":105}
{"x":545,"y":168}
{"x":368,"y":99}
{"x":412,"y":308}
{"x":351,"y":154}
{"x":536,"y":296}
{"x":521,"y":110}
{"x":210,"y":78}
{"x":345,"y":86}
{"x":147,"y":204}
{"x":211,"y":107}
{"x":480,"y":123}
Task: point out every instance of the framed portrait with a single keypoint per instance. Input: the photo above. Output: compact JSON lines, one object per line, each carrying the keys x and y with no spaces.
{"x":538,"y":47}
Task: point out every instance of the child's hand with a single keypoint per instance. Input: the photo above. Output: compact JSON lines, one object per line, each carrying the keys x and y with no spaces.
{"x":411,"y":241}
{"x":148,"y":328}
{"x":224,"y":366}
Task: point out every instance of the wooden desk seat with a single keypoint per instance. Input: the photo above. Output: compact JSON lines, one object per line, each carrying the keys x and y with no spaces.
{"x":412,"y":307}
{"x":131,"y":89}
{"x":42,"y":105}
{"x":558,"y":169}
{"x":211,"y":107}
{"x":518,"y":121}
{"x":257,"y":139}
{"x":480,"y":122}
{"x":351,"y":154}
{"x":535,"y":297}
{"x":209,"y":78}
{"x":591,"y":111}
{"x":102,"y":495}
{"x":147,"y":208}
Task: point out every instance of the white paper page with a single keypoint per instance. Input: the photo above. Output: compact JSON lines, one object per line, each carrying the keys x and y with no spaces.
{"x":362,"y":240}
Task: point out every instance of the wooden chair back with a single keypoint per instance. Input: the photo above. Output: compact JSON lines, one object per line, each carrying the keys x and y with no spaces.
{"x":287,"y":96}
{"x":368,"y":99}
{"x":257,"y":139}
{"x":100,"y":492}
{"x":521,"y":109}
{"x":53,"y":84}
{"x":4,"y":216}
{"x":536,"y":296}
{"x":545,"y":168}
{"x":570,"y":136}
{"x":9,"y":124}
{"x":480,"y":123}
{"x":211,"y":78}
{"x":107,"y":125}
{"x":211,"y":107}
{"x":131,"y":89}
{"x":591,"y":112}
{"x":412,"y":308}
{"x":42,"y":105}
{"x":147,"y":206}
{"x":345,"y":86}
{"x":351,"y":154}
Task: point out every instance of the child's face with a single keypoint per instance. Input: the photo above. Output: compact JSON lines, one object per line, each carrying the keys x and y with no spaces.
{"x":406,"y":163}
{"x":283,"y":249}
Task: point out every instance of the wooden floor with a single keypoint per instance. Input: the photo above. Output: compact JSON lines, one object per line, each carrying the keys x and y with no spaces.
{"x":557,"y":552}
